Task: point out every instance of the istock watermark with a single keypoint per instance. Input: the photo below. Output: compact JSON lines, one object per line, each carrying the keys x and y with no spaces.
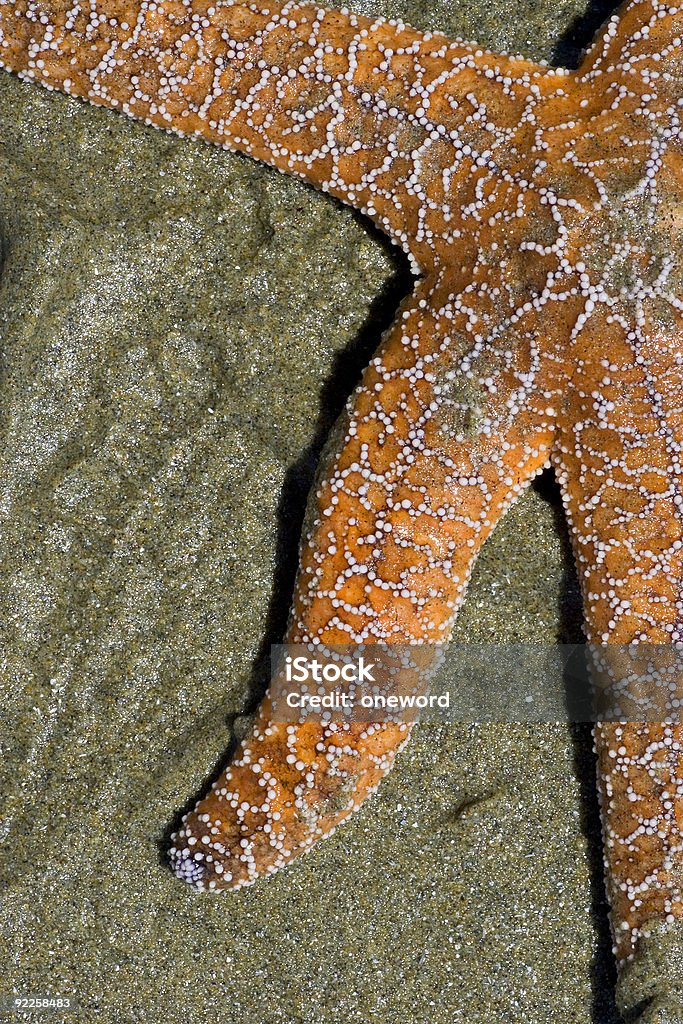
{"x":377,"y":682}
{"x":303,"y":669}
{"x":477,"y":682}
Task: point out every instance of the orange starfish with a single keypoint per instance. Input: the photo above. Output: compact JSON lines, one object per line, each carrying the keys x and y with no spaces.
{"x":544,"y":212}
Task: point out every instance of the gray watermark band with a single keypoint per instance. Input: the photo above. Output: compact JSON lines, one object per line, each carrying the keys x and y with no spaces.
{"x":477,"y":682}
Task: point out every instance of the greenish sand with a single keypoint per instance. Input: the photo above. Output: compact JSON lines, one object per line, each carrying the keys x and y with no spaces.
{"x":178,"y":329}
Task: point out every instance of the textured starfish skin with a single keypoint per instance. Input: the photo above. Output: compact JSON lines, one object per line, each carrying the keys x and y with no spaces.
{"x":544,"y":211}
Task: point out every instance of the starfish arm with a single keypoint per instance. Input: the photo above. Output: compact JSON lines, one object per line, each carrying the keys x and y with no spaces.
{"x":643,"y":39}
{"x":620,"y":470}
{"x":640,"y":779}
{"x":402,"y":509}
{"x":384,"y":117}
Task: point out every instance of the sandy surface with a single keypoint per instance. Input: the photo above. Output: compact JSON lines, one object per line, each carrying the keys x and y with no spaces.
{"x":179,"y":328}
